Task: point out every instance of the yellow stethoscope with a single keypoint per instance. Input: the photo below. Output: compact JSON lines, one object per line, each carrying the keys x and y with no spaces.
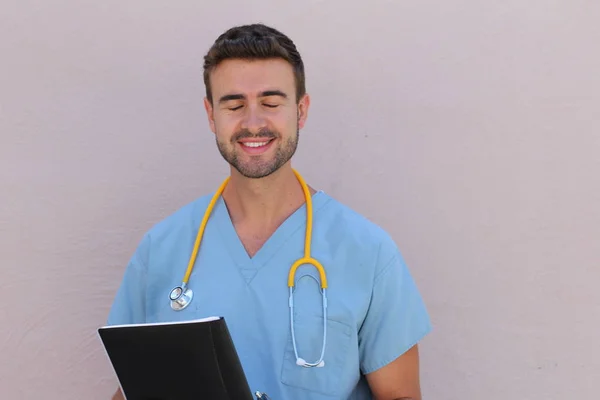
{"x":181,"y":296}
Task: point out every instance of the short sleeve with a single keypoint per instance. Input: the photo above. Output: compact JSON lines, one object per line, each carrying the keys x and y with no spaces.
{"x":129,"y":305}
{"x":397,"y":318}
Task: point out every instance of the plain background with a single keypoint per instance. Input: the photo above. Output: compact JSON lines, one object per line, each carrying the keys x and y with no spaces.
{"x":470,"y":130}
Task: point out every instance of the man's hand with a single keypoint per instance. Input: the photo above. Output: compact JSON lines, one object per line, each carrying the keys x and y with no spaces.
{"x":399,"y":380}
{"x":118,"y":395}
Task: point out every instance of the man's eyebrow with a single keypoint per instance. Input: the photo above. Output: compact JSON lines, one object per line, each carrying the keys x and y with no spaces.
{"x":229,"y":97}
{"x":239,"y":96}
{"x":268,"y":93}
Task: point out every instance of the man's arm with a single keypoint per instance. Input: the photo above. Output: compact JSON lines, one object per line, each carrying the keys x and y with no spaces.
{"x":395,"y":323}
{"x":399,"y":380}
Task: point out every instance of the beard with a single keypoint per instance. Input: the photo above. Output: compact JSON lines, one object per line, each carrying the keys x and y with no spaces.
{"x":256,"y":167}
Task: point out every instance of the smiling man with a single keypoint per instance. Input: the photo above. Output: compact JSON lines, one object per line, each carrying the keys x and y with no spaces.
{"x":365,"y":345}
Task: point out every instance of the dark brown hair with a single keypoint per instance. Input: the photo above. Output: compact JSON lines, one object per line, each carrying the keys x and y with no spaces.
{"x":254,"y":42}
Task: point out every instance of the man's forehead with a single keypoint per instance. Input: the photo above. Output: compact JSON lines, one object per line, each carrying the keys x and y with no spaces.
{"x":251,"y":77}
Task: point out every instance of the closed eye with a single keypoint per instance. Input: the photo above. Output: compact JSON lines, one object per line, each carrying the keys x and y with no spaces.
{"x":271,"y":105}
{"x":235,"y":108}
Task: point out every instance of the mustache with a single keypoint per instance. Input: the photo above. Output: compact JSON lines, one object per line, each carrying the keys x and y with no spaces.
{"x":246,"y":134}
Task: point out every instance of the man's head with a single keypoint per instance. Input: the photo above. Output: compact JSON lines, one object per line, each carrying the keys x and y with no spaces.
{"x":255,"y":98}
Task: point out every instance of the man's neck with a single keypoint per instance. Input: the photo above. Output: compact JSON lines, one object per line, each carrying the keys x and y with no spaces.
{"x":265,"y":203}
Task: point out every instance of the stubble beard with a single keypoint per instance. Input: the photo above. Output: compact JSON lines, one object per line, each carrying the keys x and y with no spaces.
{"x":255,"y":168}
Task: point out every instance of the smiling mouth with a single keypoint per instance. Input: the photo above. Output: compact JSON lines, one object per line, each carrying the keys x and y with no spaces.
{"x":255,"y":145}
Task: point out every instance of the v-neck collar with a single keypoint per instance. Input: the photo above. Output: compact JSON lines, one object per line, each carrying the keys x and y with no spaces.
{"x":249,"y":266}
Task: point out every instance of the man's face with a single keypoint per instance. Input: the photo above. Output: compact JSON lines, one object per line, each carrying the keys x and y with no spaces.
{"x":254,"y":114}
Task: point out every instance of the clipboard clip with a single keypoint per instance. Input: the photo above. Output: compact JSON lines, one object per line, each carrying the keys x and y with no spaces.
{"x":261,"y":396}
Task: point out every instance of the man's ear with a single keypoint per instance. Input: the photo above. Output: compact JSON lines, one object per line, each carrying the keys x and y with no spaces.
{"x":303,"y":106}
{"x":210,"y":114}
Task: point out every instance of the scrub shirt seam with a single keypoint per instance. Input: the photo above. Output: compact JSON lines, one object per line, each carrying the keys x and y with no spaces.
{"x":385,"y":270}
{"x":224,"y":236}
{"x":293,"y":232}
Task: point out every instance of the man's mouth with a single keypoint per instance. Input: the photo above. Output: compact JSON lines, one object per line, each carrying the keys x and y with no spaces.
{"x":255,"y":144}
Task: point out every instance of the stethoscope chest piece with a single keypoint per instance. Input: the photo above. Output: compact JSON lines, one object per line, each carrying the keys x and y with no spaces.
{"x":180,"y":297}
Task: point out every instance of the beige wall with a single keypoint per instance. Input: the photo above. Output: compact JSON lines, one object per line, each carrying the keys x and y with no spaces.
{"x":470,"y":130}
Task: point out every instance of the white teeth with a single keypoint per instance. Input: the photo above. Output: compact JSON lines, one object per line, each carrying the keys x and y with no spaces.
{"x":255,"y":144}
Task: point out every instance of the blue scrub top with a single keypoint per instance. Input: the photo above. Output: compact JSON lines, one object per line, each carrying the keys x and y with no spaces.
{"x":375,"y":312}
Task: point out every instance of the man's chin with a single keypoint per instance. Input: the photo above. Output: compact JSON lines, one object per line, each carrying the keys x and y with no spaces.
{"x":255,"y":173}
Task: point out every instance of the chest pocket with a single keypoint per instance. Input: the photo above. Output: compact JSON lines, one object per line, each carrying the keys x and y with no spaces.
{"x":308,"y":329}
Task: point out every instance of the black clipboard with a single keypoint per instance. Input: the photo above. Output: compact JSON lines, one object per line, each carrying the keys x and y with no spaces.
{"x":186,"y":360}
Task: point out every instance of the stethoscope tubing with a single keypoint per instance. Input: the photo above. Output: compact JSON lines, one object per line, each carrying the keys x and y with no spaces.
{"x":181,"y":296}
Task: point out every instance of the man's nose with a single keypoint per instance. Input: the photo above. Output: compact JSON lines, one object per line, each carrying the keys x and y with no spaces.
{"x":254,"y":120}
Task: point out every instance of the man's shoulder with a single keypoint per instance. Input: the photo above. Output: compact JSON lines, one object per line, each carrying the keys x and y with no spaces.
{"x":349,"y":224}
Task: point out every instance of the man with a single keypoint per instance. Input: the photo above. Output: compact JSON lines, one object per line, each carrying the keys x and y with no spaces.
{"x":256,"y":104}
